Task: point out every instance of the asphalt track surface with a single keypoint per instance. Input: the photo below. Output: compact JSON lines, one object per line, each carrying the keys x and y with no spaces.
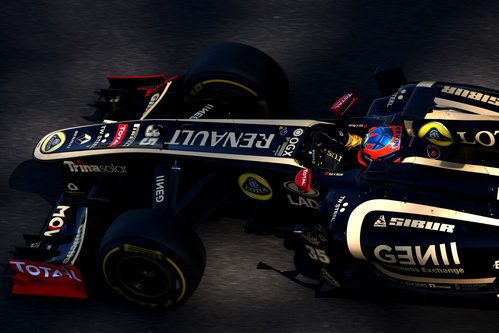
{"x":54,"y":54}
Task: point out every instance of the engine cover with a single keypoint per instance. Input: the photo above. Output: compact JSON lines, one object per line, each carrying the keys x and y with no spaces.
{"x":419,"y":244}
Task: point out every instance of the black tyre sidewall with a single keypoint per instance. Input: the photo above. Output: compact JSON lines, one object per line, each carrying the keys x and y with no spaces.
{"x":176,"y":249}
{"x":242,"y":64}
{"x":179,"y":272}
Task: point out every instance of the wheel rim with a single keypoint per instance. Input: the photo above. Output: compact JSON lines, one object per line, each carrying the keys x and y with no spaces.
{"x":144,"y":276}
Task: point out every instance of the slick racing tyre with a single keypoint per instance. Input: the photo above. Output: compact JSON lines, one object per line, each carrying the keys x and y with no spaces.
{"x":232,"y":80}
{"x":151,"y":262}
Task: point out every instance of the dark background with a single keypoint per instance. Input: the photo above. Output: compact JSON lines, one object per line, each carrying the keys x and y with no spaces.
{"x":54,"y":54}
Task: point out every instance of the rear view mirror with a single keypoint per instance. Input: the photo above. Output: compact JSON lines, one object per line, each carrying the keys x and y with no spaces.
{"x":345,"y":102}
{"x":303,"y":180}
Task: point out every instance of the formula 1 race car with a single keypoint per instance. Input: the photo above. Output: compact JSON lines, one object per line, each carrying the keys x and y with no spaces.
{"x":406,"y":197}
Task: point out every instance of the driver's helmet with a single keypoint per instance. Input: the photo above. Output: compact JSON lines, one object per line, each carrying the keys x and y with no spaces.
{"x":381,"y":144}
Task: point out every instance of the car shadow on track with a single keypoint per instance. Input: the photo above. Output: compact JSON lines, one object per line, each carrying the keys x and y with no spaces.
{"x":42,"y":179}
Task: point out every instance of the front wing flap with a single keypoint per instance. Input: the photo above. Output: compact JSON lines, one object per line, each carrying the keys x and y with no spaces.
{"x":133,"y":97}
{"x":45,"y":266}
{"x":43,"y":279}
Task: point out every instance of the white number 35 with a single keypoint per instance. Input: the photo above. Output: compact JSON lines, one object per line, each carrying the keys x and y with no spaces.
{"x":318,"y":254}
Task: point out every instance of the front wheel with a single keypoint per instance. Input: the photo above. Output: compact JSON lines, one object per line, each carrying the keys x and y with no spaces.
{"x":151,"y":262}
{"x":233,"y":80}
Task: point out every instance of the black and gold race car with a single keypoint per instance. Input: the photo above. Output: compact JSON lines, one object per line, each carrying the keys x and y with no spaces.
{"x":405,"y":197}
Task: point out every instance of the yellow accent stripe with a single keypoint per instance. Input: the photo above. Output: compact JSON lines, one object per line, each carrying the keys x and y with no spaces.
{"x":233,"y":83}
{"x":181,"y":277}
{"x":425,"y":84}
{"x":104,"y":264}
{"x":158,"y":255}
{"x":433,"y":280}
{"x":457,"y":115}
{"x":168,"y":259}
{"x":251,"y":158}
{"x":473,"y":168}
{"x":463,"y":106}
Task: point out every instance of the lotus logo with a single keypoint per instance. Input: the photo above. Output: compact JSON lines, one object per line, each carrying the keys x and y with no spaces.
{"x":53,"y":142}
{"x":255,"y":186}
{"x":436,"y":133}
{"x":253,"y":183}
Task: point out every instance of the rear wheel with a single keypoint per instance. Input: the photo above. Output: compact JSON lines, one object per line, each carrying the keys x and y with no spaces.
{"x":232,"y":80}
{"x":151,"y":262}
